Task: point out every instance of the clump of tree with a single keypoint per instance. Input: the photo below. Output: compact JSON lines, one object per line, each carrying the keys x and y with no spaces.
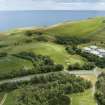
{"x":71,"y":40}
{"x":100,"y":89}
{"x":42,"y":38}
{"x":42,"y":96}
{"x":41,"y":64}
{"x":39,"y":61}
{"x":98,"y":61}
{"x":52,"y":89}
{"x":3,"y":54}
{"x":68,"y":83}
{"x":2,"y":46}
{"x":45,"y":60}
{"x":77,"y":66}
{"x":33,"y":32}
{"x":28,"y":33}
{"x":71,"y":49}
{"x":48,"y":89}
{"x":28,"y":40}
{"x":37,"y":70}
{"x":103,"y":21}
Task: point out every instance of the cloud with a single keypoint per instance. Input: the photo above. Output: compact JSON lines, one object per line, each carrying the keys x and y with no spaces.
{"x":91,"y":1}
{"x":83,"y":6}
{"x":51,"y":5}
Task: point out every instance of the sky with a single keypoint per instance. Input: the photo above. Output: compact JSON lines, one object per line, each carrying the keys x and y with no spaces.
{"x":52,"y":4}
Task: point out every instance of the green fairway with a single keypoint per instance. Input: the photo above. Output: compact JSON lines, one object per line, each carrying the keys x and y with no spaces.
{"x":55,"y":51}
{"x":85,"y":98}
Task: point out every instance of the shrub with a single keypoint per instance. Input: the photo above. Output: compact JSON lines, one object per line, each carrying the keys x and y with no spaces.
{"x":77,"y":66}
{"x":3,"y":54}
{"x":42,"y":96}
{"x":71,"y":40}
{"x":42,"y":38}
{"x":28,"y":33}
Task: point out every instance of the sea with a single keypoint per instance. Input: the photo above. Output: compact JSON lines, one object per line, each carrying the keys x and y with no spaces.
{"x":36,"y":18}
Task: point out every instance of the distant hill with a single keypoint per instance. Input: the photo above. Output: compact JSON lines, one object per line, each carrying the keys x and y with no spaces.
{"x":93,"y":28}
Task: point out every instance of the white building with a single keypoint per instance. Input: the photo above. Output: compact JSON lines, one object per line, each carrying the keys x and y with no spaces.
{"x":95,"y":50}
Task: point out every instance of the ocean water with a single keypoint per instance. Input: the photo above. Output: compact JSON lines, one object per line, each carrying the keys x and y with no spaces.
{"x":16,"y":19}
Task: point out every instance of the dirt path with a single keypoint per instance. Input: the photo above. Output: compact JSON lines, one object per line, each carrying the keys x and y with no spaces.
{"x":4,"y":98}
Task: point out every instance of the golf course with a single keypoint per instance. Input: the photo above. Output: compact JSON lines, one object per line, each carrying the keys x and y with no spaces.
{"x":28,"y":56}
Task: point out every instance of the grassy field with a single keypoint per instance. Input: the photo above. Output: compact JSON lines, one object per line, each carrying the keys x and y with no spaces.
{"x":78,"y":28}
{"x":55,"y":51}
{"x":84,"y":98}
{"x":11,"y":64}
{"x":90,"y":77}
{"x":87,"y":97}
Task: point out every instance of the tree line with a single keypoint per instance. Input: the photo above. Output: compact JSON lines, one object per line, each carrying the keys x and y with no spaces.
{"x":47,"y":89}
{"x":98,"y":61}
{"x":42,"y":96}
{"x":70,"y":40}
{"x":86,"y":66}
{"x":41,"y":64}
{"x":100,"y":89}
{"x":69,"y":83}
